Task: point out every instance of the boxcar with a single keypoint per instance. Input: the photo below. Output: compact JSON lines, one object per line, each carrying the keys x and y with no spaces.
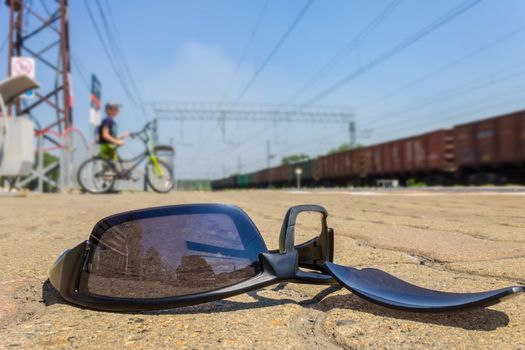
{"x":491,"y":142}
{"x":310,"y":172}
{"x":279,"y":175}
{"x":491,"y":150}
{"x":336,"y":167}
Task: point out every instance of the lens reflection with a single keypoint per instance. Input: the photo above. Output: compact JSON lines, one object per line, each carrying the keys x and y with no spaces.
{"x":173,"y":255}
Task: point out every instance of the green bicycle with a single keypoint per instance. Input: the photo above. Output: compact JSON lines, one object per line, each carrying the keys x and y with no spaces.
{"x":99,"y":175}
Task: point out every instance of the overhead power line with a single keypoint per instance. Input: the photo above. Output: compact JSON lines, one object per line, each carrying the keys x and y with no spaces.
{"x":454,"y":115}
{"x":109,"y":56}
{"x":119,"y":50}
{"x":449,"y":93}
{"x":275,"y":49}
{"x":447,"y":66}
{"x":246,"y":49}
{"x":441,"y":21}
{"x":80,"y":71}
{"x":478,"y":84}
{"x":345,"y":50}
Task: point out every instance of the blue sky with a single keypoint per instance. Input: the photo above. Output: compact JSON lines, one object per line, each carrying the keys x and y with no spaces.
{"x":471,"y":67}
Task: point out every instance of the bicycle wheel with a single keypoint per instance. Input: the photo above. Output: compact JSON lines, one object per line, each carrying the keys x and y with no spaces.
{"x":96,"y":175}
{"x":160,"y":178}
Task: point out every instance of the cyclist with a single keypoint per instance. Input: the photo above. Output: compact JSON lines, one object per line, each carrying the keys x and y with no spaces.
{"x":108,"y":138}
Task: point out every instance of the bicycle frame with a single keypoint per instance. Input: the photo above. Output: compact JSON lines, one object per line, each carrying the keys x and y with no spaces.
{"x":143,"y":136}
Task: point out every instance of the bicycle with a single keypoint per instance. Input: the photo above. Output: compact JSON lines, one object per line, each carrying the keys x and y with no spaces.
{"x":99,"y":175}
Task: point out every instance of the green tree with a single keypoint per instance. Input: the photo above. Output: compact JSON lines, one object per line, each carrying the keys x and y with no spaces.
{"x":343,"y":147}
{"x":294,"y":158}
{"x":53,"y":174}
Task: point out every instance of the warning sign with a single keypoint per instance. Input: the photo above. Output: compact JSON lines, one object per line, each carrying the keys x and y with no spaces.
{"x":23,"y":65}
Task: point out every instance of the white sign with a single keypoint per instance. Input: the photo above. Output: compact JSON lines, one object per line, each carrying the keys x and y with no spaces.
{"x":23,"y":65}
{"x":94,"y":116}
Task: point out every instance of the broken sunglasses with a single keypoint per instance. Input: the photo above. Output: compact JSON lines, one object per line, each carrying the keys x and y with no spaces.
{"x":181,"y":255}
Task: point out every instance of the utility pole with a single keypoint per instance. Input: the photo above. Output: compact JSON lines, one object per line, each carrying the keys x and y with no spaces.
{"x":239,"y":164}
{"x":269,"y":155}
{"x":351,"y":129}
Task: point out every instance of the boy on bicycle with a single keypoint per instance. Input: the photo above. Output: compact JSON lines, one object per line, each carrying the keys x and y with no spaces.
{"x":107,"y":133}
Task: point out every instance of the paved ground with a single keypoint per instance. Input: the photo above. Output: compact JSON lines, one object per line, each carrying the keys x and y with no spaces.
{"x":447,"y":241}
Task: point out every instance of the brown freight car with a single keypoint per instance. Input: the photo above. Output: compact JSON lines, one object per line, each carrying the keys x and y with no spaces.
{"x":376,"y":167}
{"x":493,"y":148}
{"x":279,"y":175}
{"x":491,"y":142}
{"x":361,"y":165}
{"x":263,"y":178}
{"x":337,"y":166}
{"x":397,"y":157}
{"x":418,"y":156}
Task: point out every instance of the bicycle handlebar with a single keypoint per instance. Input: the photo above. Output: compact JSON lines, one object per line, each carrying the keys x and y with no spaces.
{"x":144,"y":129}
{"x":142,"y":132}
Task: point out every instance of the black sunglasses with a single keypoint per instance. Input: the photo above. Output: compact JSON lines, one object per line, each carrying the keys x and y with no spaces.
{"x":181,"y":255}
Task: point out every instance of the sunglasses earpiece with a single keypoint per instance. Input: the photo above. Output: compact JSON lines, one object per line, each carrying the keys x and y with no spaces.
{"x":287,"y":235}
{"x":313,"y":253}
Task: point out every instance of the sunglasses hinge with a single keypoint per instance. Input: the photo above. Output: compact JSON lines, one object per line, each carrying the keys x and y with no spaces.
{"x":315,"y":252}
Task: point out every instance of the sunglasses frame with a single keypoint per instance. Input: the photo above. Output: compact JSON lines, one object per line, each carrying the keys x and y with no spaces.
{"x":280,"y":265}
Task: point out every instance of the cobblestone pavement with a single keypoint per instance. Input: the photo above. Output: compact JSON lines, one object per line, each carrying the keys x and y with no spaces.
{"x":446,"y":241}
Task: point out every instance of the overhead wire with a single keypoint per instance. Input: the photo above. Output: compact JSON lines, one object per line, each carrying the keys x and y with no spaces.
{"x":265,"y":63}
{"x":345,"y":50}
{"x":446,"y":67}
{"x":451,"y":93}
{"x":246,"y":49}
{"x":248,"y":138}
{"x":273,"y":52}
{"x":237,"y":68}
{"x":312,"y":141}
{"x":109,"y":56}
{"x":464,"y":6}
{"x":197,"y":154}
{"x":475,"y":52}
{"x":81,"y":69}
{"x":449,"y":117}
{"x":119,"y":51}
{"x":446,"y":111}
{"x":399,"y":47}
{"x":81,"y":73}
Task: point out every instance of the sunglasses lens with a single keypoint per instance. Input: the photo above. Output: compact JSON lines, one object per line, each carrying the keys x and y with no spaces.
{"x":171,"y":252}
{"x":308,"y":225}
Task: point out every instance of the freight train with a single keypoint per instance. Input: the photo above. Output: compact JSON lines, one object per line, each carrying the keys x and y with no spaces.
{"x":486,"y":151}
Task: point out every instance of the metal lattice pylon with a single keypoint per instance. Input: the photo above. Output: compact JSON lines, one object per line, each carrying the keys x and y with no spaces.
{"x":41,"y":30}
